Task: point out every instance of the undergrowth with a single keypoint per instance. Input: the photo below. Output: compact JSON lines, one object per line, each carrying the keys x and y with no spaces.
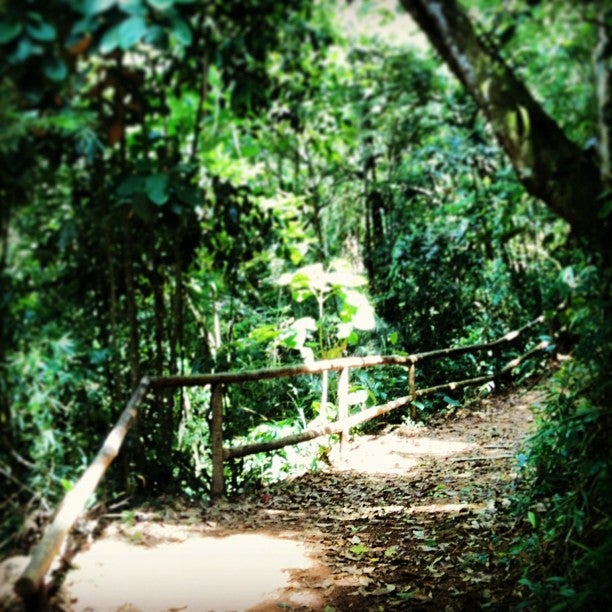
{"x":569,"y":503}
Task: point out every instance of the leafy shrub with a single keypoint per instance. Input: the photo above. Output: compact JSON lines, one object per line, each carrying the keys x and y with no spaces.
{"x":571,"y":461}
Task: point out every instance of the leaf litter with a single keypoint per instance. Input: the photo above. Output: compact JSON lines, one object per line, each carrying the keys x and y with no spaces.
{"x":411,"y":518}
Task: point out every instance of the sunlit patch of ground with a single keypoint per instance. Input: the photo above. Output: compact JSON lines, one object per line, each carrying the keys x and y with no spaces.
{"x":200,"y":573}
{"x":398,"y":452}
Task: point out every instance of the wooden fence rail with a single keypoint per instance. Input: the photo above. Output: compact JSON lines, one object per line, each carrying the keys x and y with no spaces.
{"x":30,"y":586}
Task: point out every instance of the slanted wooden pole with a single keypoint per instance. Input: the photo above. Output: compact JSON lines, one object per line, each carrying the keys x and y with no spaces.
{"x":310,"y":434}
{"x":30,"y":586}
{"x":343,"y":409}
{"x":216,"y":442}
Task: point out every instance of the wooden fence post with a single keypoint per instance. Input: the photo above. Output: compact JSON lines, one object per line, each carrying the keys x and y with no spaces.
{"x":343,"y":411}
{"x":412,"y":391}
{"x":501,"y":376}
{"x":216,"y":441}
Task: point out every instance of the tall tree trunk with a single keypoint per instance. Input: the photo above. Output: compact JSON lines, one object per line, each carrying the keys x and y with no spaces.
{"x":130,"y":297}
{"x":603,"y":70}
{"x":114,"y":369}
{"x":5,"y":209}
{"x":134,"y":461}
{"x":314,"y":197}
{"x":548,"y":164}
{"x":157,"y":284}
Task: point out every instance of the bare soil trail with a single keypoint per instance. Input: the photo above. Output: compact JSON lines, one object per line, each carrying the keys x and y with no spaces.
{"x":414,"y":518}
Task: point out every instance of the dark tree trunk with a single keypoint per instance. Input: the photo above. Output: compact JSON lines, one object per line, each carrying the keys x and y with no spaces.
{"x":603,"y":70}
{"x":157,"y":283}
{"x":114,"y":373}
{"x":548,"y":164}
{"x":5,"y":413}
{"x":130,"y":298}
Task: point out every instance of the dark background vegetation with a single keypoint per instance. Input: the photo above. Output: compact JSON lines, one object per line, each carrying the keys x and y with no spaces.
{"x":164,"y":162}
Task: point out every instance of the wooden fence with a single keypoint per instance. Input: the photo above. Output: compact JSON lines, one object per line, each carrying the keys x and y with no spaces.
{"x":30,"y":586}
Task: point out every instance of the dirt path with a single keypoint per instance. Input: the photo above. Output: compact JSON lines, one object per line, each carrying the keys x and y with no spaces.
{"x":416,"y":518}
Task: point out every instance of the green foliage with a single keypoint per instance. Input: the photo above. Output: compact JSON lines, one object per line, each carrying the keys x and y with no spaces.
{"x":335,"y":290}
{"x":571,"y":460}
{"x":163,"y":163}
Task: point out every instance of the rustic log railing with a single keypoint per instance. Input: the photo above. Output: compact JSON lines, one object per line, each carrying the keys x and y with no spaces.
{"x":30,"y":586}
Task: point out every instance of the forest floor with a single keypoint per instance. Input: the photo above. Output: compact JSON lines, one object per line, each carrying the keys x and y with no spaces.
{"x":414,"y":518}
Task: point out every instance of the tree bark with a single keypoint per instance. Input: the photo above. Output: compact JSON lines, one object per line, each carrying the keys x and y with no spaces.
{"x":130,"y":297}
{"x":603,"y":71}
{"x":5,"y":210}
{"x":549,"y":165}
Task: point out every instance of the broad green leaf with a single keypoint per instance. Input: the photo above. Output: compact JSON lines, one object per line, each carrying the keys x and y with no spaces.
{"x":155,"y":35}
{"x":344,"y":330}
{"x":299,"y":295}
{"x":359,"y":549}
{"x":264,"y":334}
{"x":181,"y":31}
{"x":295,"y":254}
{"x":161,"y":5}
{"x":93,"y":7}
{"x":531,"y":517}
{"x":56,"y":70}
{"x":26,"y":49}
{"x":334,"y":352}
{"x":131,"y":185}
{"x":405,"y":596}
{"x":353,"y":338}
{"x":285,"y":279}
{"x":131,"y":31}
{"x":110,"y":40}
{"x":290,"y":340}
{"x":41,"y":31}
{"x":156,"y":187}
{"x":66,"y":484}
{"x":9,"y":31}
{"x":451,"y":402}
{"x":80,"y":27}
{"x":133,"y":7}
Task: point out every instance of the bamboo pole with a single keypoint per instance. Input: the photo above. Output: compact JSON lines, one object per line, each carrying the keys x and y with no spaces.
{"x":343,"y":408}
{"x":363,"y":416}
{"x":30,"y":584}
{"x":216,"y":442}
{"x":317,"y":367}
{"x":311,"y":434}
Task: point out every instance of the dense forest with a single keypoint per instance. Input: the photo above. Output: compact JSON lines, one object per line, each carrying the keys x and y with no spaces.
{"x":192,"y":187}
